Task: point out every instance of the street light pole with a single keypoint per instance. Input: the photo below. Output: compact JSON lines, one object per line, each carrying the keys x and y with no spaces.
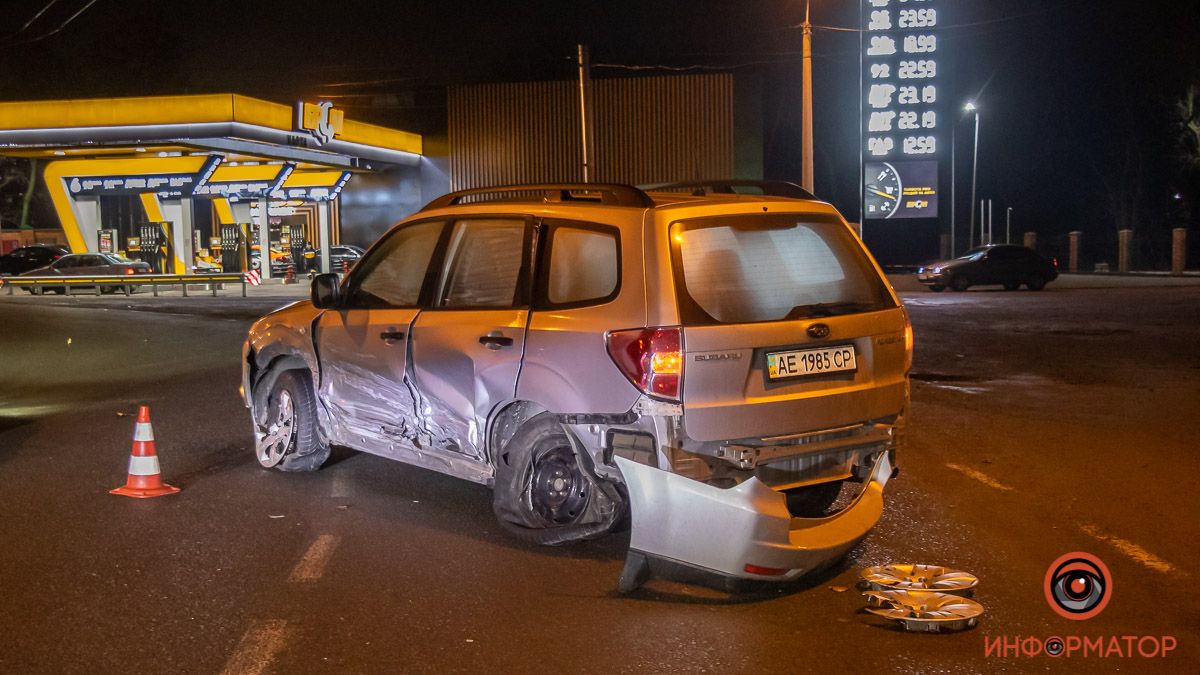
{"x":806,"y":140}
{"x":953,"y":182}
{"x":970,"y":107}
{"x":1008,"y":226}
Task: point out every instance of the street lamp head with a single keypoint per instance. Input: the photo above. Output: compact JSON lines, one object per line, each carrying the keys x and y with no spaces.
{"x":970,"y":106}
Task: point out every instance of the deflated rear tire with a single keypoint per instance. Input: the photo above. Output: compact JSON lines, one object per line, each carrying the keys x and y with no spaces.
{"x":545,"y":492}
{"x":287,"y":437}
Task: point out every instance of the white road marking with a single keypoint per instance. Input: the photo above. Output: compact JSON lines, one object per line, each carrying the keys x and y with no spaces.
{"x":312,"y":565}
{"x":979,"y":476}
{"x":340,"y":487}
{"x":257,"y":648}
{"x":1139,"y":554}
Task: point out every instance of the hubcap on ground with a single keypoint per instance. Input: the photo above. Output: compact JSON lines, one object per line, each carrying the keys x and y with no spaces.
{"x":559,"y":491}
{"x":274,"y":444}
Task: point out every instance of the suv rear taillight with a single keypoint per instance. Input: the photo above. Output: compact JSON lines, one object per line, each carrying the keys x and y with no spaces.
{"x":1055,"y":261}
{"x":652,"y":359}
{"x":130,"y":270}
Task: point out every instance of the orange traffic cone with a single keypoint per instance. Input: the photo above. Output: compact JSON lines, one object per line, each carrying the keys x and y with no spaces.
{"x":144,"y":479}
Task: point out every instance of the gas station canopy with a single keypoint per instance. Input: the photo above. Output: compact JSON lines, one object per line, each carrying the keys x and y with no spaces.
{"x":238,"y":127}
{"x":249,"y":158}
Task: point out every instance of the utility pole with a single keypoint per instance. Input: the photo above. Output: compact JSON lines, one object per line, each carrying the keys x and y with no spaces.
{"x":585,"y":110}
{"x":990,"y":221}
{"x":806,"y":139}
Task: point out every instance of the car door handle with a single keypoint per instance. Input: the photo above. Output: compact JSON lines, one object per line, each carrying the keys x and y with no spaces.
{"x":495,"y":341}
{"x":391,"y":335}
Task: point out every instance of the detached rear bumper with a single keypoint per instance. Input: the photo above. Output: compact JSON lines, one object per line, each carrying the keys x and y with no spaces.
{"x":726,"y":530}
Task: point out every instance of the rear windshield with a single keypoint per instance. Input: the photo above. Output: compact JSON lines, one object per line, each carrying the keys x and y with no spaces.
{"x":751,"y":269}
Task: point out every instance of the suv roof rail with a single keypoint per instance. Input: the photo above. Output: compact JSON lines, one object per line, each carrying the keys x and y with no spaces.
{"x":770,"y":188}
{"x":610,"y":194}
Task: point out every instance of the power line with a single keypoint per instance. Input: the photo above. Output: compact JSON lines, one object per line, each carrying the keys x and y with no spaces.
{"x":35,"y":17}
{"x":61,"y":26}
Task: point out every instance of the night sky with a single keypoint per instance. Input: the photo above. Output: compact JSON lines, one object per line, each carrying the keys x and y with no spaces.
{"x":1070,"y":90}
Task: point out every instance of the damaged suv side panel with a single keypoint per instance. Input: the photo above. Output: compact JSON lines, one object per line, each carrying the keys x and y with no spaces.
{"x":587,"y":349}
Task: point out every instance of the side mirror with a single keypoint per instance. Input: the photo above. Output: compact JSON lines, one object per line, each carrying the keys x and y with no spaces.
{"x":326,"y":293}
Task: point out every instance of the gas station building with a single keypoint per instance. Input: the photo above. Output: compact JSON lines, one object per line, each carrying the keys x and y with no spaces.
{"x":175,"y":180}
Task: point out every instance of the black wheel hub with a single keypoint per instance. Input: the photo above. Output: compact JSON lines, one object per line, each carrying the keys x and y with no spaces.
{"x":559,"y":490}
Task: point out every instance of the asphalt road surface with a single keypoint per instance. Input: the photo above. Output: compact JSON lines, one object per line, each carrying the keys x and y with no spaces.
{"x":1042,"y":423}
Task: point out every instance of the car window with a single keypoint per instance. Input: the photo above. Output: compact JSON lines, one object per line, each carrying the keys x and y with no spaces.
{"x":393,"y":274}
{"x":91,"y":261}
{"x":486,"y":259}
{"x":584,"y":265}
{"x":748,"y":269}
{"x":66,"y":262}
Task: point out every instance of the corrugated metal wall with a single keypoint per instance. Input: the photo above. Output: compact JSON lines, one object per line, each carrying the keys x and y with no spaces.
{"x":647,"y":130}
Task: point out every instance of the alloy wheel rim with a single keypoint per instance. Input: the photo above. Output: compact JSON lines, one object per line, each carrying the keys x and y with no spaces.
{"x":275,"y":442}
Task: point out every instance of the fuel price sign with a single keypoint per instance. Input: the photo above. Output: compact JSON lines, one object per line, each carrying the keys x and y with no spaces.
{"x":901,"y":107}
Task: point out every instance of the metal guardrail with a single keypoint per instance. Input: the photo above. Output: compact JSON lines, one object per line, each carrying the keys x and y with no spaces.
{"x":125,"y":282}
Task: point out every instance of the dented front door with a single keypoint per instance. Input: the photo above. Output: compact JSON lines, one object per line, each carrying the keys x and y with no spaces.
{"x":467,"y":347}
{"x":363,"y":345}
{"x":364,"y":386}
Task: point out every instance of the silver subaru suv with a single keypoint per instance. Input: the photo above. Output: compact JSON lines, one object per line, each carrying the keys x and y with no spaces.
{"x":726,"y":372}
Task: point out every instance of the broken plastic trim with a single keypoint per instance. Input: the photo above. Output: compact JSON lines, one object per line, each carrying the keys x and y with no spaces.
{"x":674,"y":518}
{"x":585,"y":418}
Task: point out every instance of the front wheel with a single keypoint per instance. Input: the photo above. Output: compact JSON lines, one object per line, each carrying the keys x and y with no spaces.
{"x":546,"y":494}
{"x":286,"y":437}
{"x":959,"y":284}
{"x":937,"y":288}
{"x":1012,"y":285}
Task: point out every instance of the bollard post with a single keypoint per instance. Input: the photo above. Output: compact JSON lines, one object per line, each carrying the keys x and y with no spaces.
{"x":1031,"y":240}
{"x":1073,"y":255}
{"x":1178,"y":250}
{"x":1124,"y":246}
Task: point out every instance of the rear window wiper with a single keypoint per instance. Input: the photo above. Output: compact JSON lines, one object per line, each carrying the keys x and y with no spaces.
{"x":830,"y":309}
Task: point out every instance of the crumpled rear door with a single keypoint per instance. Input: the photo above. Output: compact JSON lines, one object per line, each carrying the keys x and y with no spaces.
{"x":467,"y":347}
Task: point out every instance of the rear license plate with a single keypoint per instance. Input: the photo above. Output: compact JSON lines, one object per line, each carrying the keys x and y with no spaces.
{"x":802,"y":362}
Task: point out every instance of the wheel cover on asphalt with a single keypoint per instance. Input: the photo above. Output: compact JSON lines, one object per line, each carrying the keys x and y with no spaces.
{"x":274,"y":444}
{"x":559,"y":489}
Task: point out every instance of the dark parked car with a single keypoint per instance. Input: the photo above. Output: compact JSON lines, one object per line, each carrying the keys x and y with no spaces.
{"x":344,"y":255}
{"x":30,"y":257}
{"x":88,"y":264}
{"x":999,"y":264}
